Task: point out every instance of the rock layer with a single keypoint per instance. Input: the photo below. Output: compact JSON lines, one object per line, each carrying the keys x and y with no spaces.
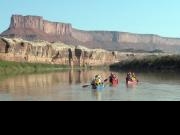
{"x":35,"y":28}
{"x":53,"y":53}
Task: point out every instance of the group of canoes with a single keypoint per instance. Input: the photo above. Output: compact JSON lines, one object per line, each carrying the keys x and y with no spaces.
{"x":99,"y":83}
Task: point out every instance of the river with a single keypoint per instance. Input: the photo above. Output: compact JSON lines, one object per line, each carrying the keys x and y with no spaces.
{"x":67,"y":86}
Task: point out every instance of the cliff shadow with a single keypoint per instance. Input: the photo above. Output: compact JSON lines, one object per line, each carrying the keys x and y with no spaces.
{"x":78,"y":54}
{"x":4,"y":46}
{"x":70,"y":57}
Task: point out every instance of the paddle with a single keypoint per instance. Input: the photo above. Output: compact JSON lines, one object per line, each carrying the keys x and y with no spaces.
{"x":85,"y":86}
{"x":106,"y":80}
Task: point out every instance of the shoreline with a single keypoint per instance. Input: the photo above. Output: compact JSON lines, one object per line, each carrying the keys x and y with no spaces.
{"x":153,"y":63}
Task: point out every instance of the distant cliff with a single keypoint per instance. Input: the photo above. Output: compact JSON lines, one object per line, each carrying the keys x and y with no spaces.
{"x":35,"y":28}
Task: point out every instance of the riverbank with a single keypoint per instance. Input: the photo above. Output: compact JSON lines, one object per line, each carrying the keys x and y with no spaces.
{"x":7,"y":67}
{"x":150,"y":63}
{"x":14,"y":68}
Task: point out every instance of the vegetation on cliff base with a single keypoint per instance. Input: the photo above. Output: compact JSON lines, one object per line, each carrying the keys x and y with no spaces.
{"x":7,"y":67}
{"x":150,"y":63}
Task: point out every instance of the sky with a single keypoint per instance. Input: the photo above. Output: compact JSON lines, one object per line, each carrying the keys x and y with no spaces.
{"x":160,"y":17}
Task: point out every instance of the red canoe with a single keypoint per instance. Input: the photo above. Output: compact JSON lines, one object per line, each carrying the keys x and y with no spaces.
{"x":131,"y":82}
{"x":114,"y":82}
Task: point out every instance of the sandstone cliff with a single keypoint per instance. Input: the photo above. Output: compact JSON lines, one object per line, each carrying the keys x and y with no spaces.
{"x":53,"y":53}
{"x":37,"y":23}
{"x":35,"y":28}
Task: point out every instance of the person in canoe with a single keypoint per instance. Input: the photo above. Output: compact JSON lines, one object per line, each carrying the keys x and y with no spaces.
{"x":113,"y":79}
{"x":134,"y":78}
{"x":131,"y":77}
{"x":97,"y":81}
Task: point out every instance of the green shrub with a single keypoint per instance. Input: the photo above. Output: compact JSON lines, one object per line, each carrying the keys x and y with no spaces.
{"x":8,"y":67}
{"x":150,"y":63}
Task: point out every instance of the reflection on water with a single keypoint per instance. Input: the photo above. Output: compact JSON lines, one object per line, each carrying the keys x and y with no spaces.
{"x":68,"y":86}
{"x":97,"y":94}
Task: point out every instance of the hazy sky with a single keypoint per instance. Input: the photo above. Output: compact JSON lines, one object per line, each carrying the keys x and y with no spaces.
{"x":138,"y":16}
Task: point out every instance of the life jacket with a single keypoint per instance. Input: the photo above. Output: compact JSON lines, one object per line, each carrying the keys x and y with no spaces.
{"x":133,"y":79}
{"x":114,"y":79}
{"x":97,"y":81}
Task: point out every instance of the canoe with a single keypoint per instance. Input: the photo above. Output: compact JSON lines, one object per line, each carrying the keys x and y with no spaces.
{"x":98,"y":87}
{"x":131,"y":82}
{"x":114,"y":82}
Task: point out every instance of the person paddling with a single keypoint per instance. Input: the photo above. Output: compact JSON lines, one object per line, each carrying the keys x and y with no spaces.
{"x":113,"y":79}
{"x":131,"y":77}
{"x":97,"y":80}
{"x":134,"y":77}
